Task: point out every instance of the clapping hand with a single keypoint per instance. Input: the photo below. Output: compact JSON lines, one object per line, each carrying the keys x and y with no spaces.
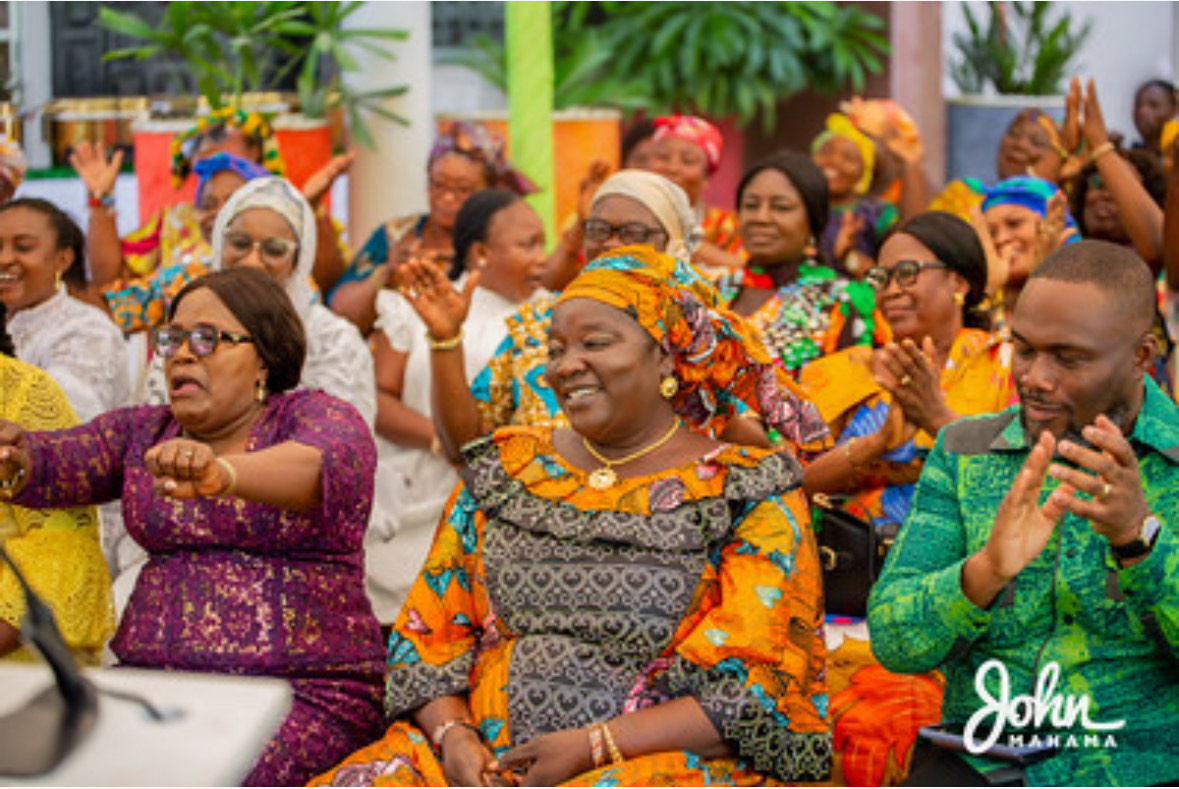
{"x":320,"y":182}
{"x":909,"y":374}
{"x":1115,"y":505}
{"x":186,"y":469}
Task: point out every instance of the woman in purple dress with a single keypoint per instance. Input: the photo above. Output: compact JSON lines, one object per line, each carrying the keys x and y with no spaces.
{"x":251,"y":500}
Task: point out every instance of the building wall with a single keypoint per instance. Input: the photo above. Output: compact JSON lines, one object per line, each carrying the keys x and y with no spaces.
{"x":1131,"y":42}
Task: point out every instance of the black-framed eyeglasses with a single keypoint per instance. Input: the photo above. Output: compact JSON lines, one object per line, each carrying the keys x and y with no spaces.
{"x":598,"y":230}
{"x":272,"y":250}
{"x":904,"y":272}
{"x":203,"y":339}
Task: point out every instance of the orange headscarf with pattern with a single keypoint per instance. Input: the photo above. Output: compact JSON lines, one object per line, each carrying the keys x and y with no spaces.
{"x":719,"y":361}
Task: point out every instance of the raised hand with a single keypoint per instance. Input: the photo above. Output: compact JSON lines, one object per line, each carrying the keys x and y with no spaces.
{"x":90,"y":162}
{"x":434,"y":298}
{"x":1093,"y":123}
{"x":186,"y":469}
{"x":598,"y":172}
{"x":1054,"y":229}
{"x":320,"y":182}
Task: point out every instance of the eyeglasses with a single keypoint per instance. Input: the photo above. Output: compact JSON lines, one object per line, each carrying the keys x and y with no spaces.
{"x":271,"y":250}
{"x":905,"y":273}
{"x":459,"y":192}
{"x":598,"y":230}
{"x":202,"y":339}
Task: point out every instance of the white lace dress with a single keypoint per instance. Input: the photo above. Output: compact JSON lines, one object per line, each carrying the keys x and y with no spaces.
{"x":80,"y":347}
{"x":414,"y":484}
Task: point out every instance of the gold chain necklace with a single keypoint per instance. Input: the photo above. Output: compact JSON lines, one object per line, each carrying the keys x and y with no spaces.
{"x":604,"y":477}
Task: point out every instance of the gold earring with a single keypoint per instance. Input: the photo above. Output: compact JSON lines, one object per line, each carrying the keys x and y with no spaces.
{"x":668,"y":386}
{"x":959,"y":298}
{"x":260,"y":392}
{"x":57,"y":280}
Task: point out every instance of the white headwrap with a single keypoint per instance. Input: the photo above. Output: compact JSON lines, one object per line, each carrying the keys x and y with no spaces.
{"x":666,"y":200}
{"x":280,"y":196}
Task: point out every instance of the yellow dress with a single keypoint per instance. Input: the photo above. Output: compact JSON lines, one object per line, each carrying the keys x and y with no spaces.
{"x":57,"y":550}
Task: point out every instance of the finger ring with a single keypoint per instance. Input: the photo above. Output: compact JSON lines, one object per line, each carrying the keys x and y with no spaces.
{"x":1104,"y":494}
{"x":906,"y":379}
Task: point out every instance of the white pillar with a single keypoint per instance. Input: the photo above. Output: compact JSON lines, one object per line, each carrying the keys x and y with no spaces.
{"x":30,"y":27}
{"x":390,"y":180}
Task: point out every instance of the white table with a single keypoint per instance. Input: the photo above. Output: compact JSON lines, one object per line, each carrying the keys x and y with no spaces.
{"x":218,"y":727}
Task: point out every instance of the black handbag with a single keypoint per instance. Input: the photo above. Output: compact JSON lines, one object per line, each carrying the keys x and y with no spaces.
{"x":851,"y":552}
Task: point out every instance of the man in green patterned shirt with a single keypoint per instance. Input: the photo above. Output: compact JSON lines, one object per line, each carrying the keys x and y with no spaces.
{"x":1039,"y":565}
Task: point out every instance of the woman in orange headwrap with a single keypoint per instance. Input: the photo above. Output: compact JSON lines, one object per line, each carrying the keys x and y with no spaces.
{"x":679,"y":643}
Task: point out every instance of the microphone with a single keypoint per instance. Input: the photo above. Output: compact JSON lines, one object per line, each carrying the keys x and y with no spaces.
{"x":35,"y":738}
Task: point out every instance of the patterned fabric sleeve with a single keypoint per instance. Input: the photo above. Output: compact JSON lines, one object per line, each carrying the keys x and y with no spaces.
{"x":339,"y":432}
{"x":917,"y":612}
{"x":754,"y":661}
{"x":82,"y":465}
{"x":432,"y":648}
{"x":494,"y":387}
{"x":141,"y":303}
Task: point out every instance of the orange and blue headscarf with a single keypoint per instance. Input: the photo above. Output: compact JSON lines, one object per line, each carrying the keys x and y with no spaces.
{"x":719,"y":361}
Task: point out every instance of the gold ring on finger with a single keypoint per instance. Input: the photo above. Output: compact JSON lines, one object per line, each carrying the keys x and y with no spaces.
{"x":1104,"y":494}
{"x":906,"y":379}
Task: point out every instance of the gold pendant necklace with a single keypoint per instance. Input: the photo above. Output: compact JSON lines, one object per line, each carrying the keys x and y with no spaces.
{"x":604,"y":478}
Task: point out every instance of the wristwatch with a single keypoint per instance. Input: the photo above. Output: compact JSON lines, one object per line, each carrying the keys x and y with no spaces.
{"x":1142,"y":545}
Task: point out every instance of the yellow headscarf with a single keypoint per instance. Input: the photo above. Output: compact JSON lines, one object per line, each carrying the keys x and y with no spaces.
{"x":839,"y":125}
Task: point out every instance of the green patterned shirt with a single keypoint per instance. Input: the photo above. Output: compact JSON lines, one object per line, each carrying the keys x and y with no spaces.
{"x":1114,"y":632}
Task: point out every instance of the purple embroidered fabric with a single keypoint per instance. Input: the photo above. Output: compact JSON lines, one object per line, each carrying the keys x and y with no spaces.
{"x":238,"y":587}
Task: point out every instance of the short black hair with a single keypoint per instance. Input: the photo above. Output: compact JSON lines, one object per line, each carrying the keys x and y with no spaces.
{"x":953,"y":242}
{"x":68,"y":235}
{"x":1162,"y":84}
{"x":1116,"y":270}
{"x":473,"y":220}
{"x":263,"y":307}
{"x":642,"y":129}
{"x":807,"y":178}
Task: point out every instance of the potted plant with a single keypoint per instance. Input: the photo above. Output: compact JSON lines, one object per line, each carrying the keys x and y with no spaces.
{"x":1021,"y":56}
{"x":729,"y":61}
{"x":241,"y":55}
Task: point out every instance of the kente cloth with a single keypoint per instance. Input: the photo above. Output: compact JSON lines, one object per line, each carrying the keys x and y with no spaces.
{"x":237,"y":587}
{"x":552,"y":605}
{"x":57,"y":550}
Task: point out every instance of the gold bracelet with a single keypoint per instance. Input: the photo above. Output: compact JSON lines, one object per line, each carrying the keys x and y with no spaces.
{"x":847,"y":452}
{"x":615,"y":754}
{"x":442,"y":729}
{"x":1105,"y":147}
{"x":597,"y":752}
{"x":444,"y":345}
{"x":230,"y":472}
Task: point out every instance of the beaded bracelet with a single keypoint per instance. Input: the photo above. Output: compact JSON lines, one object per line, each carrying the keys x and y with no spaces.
{"x":597,"y":751}
{"x":615,"y":754}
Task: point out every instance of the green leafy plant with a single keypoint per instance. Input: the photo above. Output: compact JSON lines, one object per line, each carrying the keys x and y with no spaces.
{"x":712,"y":58}
{"x":1023,"y":49}
{"x":230,"y":49}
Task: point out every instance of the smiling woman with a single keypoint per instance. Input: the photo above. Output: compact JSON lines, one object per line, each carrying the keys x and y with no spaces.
{"x":41,"y":248}
{"x":680,"y":643}
{"x":252,"y":502}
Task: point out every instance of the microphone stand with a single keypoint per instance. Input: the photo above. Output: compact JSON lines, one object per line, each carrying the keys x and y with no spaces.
{"x":37,"y":737}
